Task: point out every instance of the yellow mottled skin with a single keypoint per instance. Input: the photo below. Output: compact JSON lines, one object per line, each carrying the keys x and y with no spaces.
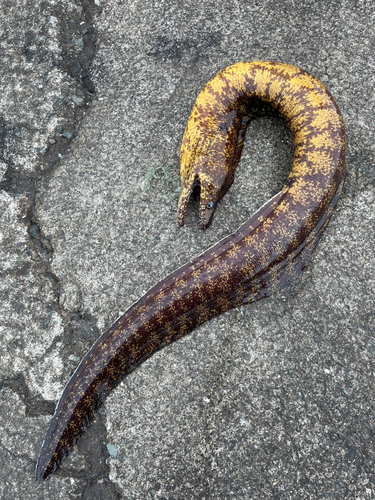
{"x":299,"y":97}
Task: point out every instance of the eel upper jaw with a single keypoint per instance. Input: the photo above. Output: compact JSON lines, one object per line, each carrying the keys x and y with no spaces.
{"x":206,"y":211}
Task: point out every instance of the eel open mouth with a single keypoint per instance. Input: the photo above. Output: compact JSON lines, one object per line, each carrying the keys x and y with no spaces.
{"x":207,"y":204}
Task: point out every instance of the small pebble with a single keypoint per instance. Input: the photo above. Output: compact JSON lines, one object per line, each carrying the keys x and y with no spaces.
{"x":112,"y":450}
{"x":60,"y":129}
{"x":78,"y":101}
{"x":33,"y":231}
{"x":78,"y":42}
{"x":73,"y":358}
{"x":68,"y":135}
{"x":52,"y":141}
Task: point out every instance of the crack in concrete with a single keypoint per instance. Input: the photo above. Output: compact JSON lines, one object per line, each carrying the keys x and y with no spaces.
{"x":78,"y":41}
{"x":22,"y":456}
{"x":96,"y":473}
{"x":35,"y":406}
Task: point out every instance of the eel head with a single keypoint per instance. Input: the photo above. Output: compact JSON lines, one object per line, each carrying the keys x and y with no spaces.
{"x":209,"y":194}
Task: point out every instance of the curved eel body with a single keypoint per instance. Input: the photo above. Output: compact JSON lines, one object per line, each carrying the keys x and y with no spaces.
{"x":261,"y":257}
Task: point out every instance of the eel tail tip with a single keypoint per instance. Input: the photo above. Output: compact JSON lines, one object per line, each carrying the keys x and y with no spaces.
{"x":41,"y":472}
{"x":46,"y":465}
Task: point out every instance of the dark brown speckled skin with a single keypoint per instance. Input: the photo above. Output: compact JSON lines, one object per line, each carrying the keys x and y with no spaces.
{"x":261,"y":257}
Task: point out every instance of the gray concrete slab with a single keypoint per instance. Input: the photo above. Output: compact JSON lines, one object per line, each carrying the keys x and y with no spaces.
{"x":270,"y":401}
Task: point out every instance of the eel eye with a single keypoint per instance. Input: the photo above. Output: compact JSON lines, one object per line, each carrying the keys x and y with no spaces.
{"x":210,"y":204}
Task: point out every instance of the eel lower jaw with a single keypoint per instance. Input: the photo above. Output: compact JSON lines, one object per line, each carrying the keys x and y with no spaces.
{"x":182,"y":205}
{"x":187,"y":190}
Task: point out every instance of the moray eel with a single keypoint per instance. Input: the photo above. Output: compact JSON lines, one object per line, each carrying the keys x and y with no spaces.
{"x":264,"y":255}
